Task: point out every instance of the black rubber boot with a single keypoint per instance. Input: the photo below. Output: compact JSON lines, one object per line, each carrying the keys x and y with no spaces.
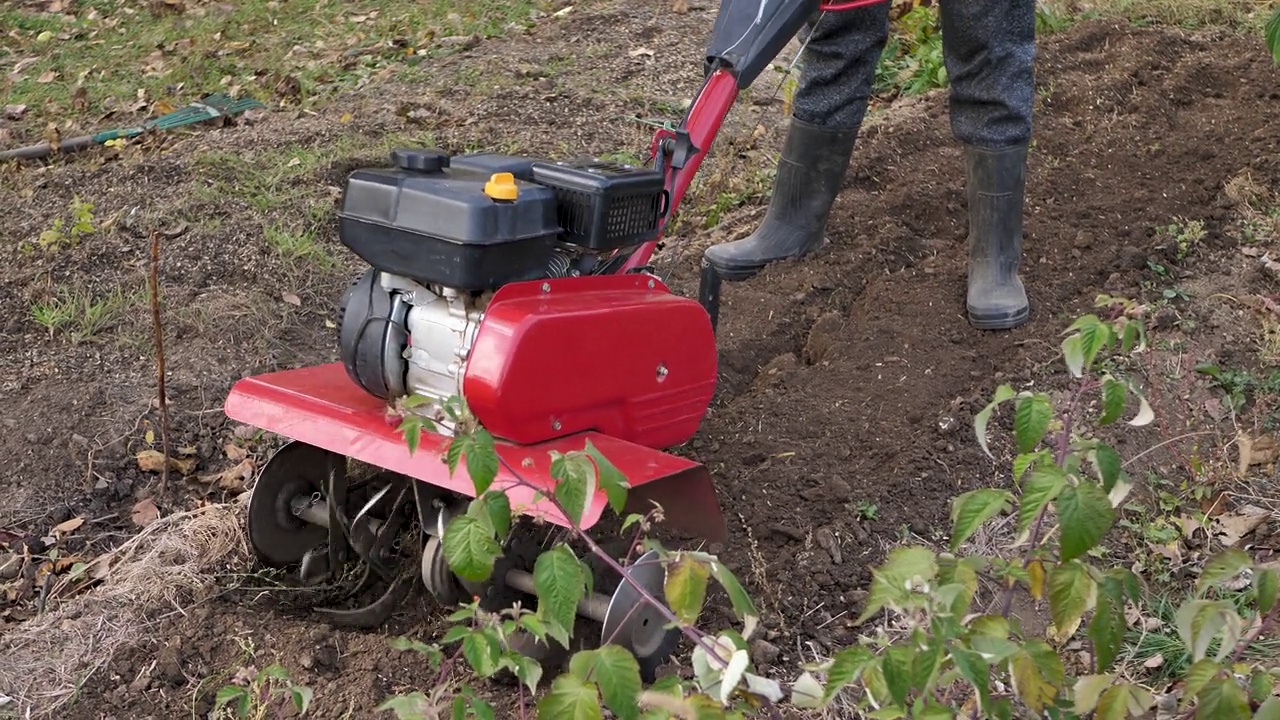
{"x":997,"y":178}
{"x":813,"y":163}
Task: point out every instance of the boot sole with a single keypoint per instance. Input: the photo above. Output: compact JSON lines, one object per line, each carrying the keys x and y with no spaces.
{"x":999,"y":322}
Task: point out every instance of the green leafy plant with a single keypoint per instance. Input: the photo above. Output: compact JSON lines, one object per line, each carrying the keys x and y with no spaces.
{"x":59,"y":235}
{"x":935,"y":653}
{"x":257,"y":696}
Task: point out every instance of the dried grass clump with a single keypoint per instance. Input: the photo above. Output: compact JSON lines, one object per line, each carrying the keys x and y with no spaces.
{"x":168,"y":565}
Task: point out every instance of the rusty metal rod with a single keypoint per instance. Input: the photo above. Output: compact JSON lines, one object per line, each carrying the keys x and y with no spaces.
{"x":595,"y":606}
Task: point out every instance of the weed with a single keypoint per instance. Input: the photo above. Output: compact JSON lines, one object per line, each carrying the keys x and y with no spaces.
{"x":263,"y":695}
{"x":911,"y":63}
{"x":59,"y":236}
{"x":1185,"y":234}
{"x":153,"y":51}
{"x":867,"y":510}
{"x":298,"y":246}
{"x":83,"y":316}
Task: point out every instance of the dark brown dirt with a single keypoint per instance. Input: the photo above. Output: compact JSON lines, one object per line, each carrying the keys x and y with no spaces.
{"x":849,"y":381}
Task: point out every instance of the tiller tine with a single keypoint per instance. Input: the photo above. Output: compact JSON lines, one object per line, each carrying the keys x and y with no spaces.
{"x":322,"y":408}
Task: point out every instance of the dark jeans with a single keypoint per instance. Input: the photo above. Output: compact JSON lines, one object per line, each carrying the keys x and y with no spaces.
{"x":988,"y":47}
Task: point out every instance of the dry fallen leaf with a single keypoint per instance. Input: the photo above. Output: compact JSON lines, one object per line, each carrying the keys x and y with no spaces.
{"x":14,"y":112}
{"x":235,"y":478}
{"x":1261,"y":450}
{"x":641,"y":51}
{"x":47,"y":76}
{"x":152,"y":461}
{"x":63,"y":528}
{"x":680,"y":7}
{"x":235,"y":453}
{"x":1154,"y":661}
{"x":1231,"y":528}
{"x":144,"y":512}
{"x":292,"y":299}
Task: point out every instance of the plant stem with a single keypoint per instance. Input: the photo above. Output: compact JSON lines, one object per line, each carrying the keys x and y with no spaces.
{"x":154,"y":281}
{"x":1062,"y":447}
{"x":698,"y":637}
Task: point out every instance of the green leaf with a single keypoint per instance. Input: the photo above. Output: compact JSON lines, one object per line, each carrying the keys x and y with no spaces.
{"x":1085,"y":515}
{"x":561,"y":583}
{"x":1222,"y":699}
{"x":1087,"y":691}
{"x":806,"y":691}
{"x":612,"y":480}
{"x":1109,"y":465}
{"x":617,"y":674}
{"x":528,"y":671}
{"x":1200,"y":621}
{"x":227,"y":694}
{"x":686,"y":587}
{"x":1073,"y":355}
{"x":743,"y":607}
{"x":1094,"y":336}
{"x":569,"y":698}
{"x":1037,"y":674}
{"x":1025,"y":461}
{"x":470,"y":548}
{"x":925,"y":665}
{"x":897,"y":672}
{"x":482,"y":651}
{"x":493,"y":507}
{"x":1265,"y":586}
{"x":432,"y":652}
{"x":980,"y":421}
{"x":1108,"y":625}
{"x":1072,"y":593}
{"x":575,"y":486}
{"x":1197,"y":677}
{"x":411,"y":706}
{"x":974,"y":668}
{"x":1122,"y":701}
{"x":973,"y":508}
{"x":1260,"y":685}
{"x":1270,"y":710}
{"x":1222,"y":566}
{"x":1043,"y":485}
{"x":1115,"y":395}
{"x":482,"y":460}
{"x":1031,"y":421}
{"x":904,"y":566}
{"x":846,"y":666}
{"x":1131,"y":337}
{"x":301,"y":698}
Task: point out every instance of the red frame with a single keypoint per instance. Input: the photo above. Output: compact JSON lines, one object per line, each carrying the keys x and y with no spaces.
{"x":705,"y":117}
{"x":618,"y":354}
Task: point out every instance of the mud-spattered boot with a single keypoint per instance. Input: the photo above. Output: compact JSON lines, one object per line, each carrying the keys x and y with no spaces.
{"x":813,"y":163}
{"x":997,"y":299}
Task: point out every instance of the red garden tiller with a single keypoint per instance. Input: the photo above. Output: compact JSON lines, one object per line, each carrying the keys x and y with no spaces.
{"x":522,"y":285}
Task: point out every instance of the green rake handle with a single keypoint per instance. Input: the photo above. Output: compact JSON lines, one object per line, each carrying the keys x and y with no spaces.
{"x":200,"y":111}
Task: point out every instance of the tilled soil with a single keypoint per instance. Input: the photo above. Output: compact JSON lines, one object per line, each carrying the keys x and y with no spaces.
{"x":849,"y":381}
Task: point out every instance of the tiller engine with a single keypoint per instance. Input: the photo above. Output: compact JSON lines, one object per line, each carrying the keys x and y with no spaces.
{"x":523,"y":286}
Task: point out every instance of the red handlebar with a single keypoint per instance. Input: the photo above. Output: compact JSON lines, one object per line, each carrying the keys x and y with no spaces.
{"x":847,"y":5}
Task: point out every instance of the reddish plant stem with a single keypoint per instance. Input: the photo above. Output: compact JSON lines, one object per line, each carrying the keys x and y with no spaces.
{"x":1062,"y":447}
{"x":698,"y":637}
{"x":154,"y":281}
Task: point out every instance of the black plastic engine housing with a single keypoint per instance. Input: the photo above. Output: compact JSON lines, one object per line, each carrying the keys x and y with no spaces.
{"x":429,"y":219}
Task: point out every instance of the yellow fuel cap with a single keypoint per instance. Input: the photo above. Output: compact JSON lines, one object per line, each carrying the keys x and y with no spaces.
{"x":502,"y":186}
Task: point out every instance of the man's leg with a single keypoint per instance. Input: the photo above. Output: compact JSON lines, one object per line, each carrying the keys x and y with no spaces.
{"x":989,"y":49}
{"x":839,"y":63}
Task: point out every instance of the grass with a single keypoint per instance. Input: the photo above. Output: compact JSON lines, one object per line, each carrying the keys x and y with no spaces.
{"x":83,"y":316}
{"x":113,"y":55}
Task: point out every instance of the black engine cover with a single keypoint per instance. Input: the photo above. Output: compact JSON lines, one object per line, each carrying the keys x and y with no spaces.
{"x":429,"y":219}
{"x":372,"y":336}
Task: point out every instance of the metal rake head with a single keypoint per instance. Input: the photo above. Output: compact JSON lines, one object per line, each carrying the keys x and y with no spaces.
{"x":205,"y":109}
